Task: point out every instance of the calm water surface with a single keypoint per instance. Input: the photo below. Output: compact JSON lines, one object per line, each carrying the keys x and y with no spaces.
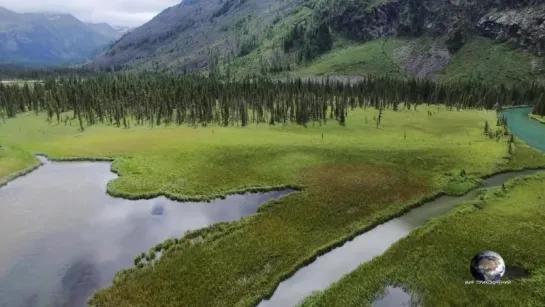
{"x":529,"y":130}
{"x":394,"y":296}
{"x":62,"y":236}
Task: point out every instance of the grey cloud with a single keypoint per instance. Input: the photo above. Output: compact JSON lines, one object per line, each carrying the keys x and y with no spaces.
{"x":116,"y":12}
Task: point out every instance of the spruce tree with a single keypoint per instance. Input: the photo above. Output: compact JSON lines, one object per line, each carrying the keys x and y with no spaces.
{"x":379,"y":119}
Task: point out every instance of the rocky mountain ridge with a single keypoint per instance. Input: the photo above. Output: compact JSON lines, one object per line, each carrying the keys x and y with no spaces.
{"x":522,"y":28}
{"x":195,"y":32}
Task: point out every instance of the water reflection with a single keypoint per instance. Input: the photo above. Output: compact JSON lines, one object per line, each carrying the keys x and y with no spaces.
{"x":79,"y":281}
{"x":394,"y":296}
{"x":63,"y":237}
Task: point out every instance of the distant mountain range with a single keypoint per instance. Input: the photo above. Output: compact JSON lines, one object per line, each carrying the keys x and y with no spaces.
{"x":51,"y":38}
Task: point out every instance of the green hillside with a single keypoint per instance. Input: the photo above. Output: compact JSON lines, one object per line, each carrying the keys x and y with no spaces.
{"x":483,"y":60}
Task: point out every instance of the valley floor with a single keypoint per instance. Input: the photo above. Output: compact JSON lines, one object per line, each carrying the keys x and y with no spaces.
{"x":351,"y":177}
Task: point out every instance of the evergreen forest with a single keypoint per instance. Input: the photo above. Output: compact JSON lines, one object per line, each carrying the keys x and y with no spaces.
{"x":125,"y":100}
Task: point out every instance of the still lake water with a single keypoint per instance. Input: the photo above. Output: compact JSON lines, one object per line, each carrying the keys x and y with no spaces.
{"x":62,"y":237}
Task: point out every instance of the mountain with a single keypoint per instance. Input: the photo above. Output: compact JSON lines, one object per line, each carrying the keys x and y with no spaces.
{"x":185,"y":35}
{"x":122,"y":30}
{"x":107,"y":30}
{"x":426,"y":38}
{"x":46,"y":38}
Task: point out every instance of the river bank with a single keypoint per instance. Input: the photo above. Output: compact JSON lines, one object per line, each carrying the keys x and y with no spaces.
{"x":507,"y":219}
{"x":539,"y":118}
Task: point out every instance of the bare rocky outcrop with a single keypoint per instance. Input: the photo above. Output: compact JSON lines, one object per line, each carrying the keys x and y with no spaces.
{"x":457,"y":19}
{"x":523,"y":28}
{"x":424,"y":64}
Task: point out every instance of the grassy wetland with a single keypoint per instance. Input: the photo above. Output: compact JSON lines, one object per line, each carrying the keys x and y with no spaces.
{"x":357,"y":153}
{"x":506,"y":219}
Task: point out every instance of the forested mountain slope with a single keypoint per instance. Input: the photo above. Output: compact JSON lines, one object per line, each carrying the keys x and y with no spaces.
{"x":267,"y":36}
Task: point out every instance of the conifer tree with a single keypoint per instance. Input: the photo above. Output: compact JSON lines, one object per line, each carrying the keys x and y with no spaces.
{"x":379,"y":116}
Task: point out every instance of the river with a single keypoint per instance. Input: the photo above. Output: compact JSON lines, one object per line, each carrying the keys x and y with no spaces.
{"x":523,"y":127}
{"x":63,"y":237}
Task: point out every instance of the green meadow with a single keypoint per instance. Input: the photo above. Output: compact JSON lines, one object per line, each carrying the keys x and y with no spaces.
{"x":349,"y":179}
{"x":14,"y":161}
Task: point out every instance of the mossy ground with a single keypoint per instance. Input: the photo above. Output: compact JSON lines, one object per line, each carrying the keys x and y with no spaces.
{"x":433,"y":261}
{"x":353,"y":178}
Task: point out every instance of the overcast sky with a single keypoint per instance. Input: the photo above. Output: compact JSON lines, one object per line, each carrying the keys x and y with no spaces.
{"x":115,"y":12}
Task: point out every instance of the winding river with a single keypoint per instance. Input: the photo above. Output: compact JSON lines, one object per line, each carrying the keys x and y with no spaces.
{"x":63,"y":237}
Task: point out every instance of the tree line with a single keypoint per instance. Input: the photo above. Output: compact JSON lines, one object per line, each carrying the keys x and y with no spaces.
{"x":13,"y":71}
{"x":153,"y":99}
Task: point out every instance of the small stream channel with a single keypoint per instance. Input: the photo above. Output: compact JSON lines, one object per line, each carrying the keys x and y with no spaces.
{"x":62,"y":237}
{"x":332,"y":266}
